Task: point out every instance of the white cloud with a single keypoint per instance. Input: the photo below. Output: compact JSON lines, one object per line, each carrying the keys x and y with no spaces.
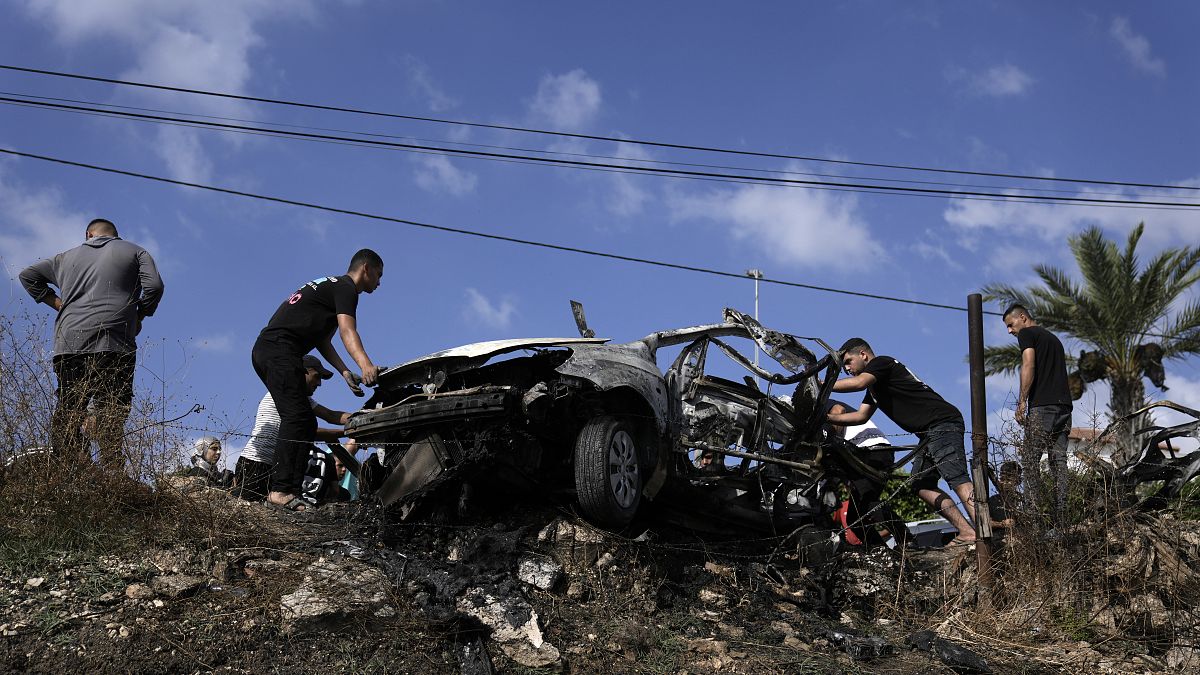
{"x":1004,"y":80}
{"x":997,"y":81}
{"x":936,"y":252}
{"x":627,"y":197}
{"x":184,"y":155}
{"x":421,"y":81}
{"x":36,"y":223}
{"x":788,"y":225}
{"x":568,"y":101}
{"x":1052,"y":223}
{"x":437,"y":174}
{"x":481,"y":310}
{"x":1136,"y":48}
{"x":203,"y":45}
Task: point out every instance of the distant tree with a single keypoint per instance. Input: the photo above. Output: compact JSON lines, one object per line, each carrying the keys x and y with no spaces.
{"x":1123,"y":314}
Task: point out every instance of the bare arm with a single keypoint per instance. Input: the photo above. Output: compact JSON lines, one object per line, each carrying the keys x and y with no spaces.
{"x":856,"y":383}
{"x":348,"y":328}
{"x":331,"y":416}
{"x":850,"y":419}
{"x":1027,"y":365}
{"x":334,"y":359}
{"x":838,"y":409}
{"x":330,"y":434}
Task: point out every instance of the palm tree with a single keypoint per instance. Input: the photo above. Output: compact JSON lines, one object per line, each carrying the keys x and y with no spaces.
{"x":1124,"y":314}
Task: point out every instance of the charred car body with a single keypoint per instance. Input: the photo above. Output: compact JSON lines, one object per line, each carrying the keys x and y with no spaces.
{"x":605,"y":421}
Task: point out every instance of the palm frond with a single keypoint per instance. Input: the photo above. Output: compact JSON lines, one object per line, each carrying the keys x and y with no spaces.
{"x":1005,"y":359}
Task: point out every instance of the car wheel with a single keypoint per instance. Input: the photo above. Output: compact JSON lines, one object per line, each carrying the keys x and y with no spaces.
{"x":608,"y":470}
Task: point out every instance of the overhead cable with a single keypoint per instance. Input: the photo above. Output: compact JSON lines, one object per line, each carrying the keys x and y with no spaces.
{"x":553,"y":161}
{"x":476,"y":233}
{"x":594,"y":137}
{"x":541,"y":151}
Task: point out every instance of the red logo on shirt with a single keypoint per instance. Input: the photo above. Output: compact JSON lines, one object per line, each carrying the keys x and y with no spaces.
{"x":294,"y":299}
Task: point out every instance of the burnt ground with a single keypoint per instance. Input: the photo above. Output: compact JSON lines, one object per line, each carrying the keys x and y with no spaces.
{"x":518,"y":588}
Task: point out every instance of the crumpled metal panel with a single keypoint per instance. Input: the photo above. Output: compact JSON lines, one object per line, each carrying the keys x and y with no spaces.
{"x":626,"y":365}
{"x":476,"y":354}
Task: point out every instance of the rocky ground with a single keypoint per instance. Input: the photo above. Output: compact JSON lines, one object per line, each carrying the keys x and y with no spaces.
{"x":522,"y":589}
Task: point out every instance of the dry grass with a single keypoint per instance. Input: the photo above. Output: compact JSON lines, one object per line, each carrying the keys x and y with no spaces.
{"x":56,"y":506}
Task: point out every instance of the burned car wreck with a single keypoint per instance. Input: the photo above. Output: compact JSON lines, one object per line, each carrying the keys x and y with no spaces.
{"x":604,"y":422}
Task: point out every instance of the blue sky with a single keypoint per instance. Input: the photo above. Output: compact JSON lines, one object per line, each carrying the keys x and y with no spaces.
{"x":1098,"y":90}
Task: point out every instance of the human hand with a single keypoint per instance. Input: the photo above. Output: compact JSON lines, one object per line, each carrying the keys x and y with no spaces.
{"x":353,"y":381}
{"x":1020,"y":414}
{"x":370,"y":375}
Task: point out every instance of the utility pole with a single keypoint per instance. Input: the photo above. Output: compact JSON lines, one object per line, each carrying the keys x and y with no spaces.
{"x":979,"y":448}
{"x":755,"y":274}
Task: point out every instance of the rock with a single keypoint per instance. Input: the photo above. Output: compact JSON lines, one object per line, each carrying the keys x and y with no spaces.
{"x":138,"y":592}
{"x":35,"y":582}
{"x":1181,"y":659}
{"x":514,"y":626}
{"x":712,"y":598}
{"x":333,"y":593}
{"x":719,"y":570}
{"x":575,"y":545}
{"x":541,"y":573}
{"x":124,"y":631}
{"x":708,"y":646}
{"x":107,"y":598}
{"x":176,"y":585}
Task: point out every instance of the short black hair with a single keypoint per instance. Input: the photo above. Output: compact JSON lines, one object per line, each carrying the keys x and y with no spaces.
{"x":365,"y":257}
{"x":855,"y":343}
{"x":101,"y":227}
{"x":1017,"y":307}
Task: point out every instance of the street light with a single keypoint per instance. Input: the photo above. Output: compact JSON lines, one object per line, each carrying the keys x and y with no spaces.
{"x":756,"y":275}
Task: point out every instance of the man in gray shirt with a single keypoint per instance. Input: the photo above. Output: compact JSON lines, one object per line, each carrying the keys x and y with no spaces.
{"x":106,"y":287}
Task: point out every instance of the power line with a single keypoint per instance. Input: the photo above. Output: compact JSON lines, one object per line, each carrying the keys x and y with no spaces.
{"x":790,"y":182}
{"x":622,"y":158}
{"x":475,"y":233}
{"x":593,"y":137}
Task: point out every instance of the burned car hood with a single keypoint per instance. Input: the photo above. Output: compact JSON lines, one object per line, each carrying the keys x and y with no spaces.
{"x":468,"y":356}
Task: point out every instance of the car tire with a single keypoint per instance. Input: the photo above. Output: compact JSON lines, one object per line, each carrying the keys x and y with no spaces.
{"x":608,"y":470}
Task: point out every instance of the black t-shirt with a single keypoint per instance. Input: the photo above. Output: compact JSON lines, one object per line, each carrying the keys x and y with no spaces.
{"x":1049,"y":367}
{"x":309,"y":316}
{"x":908,"y":401}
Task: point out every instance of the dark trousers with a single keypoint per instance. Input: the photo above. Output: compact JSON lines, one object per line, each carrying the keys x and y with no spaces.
{"x":280,"y":368}
{"x":1046,"y":430}
{"x":253,"y":479}
{"x":105,"y":379}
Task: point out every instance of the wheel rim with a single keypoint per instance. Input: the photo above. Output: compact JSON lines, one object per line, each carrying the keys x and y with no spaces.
{"x":623,"y":469}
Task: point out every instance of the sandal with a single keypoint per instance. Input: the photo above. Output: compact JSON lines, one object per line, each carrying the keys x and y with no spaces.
{"x":959,"y":542}
{"x":293,"y":505}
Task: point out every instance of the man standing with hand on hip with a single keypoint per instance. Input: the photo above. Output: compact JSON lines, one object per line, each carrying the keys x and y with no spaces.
{"x":1043,"y":408}
{"x":307,"y":321}
{"x":106,"y":287}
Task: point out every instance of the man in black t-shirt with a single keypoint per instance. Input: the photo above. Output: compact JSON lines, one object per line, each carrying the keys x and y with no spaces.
{"x":916,"y":408}
{"x":1043,"y":406}
{"x":307,"y":321}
